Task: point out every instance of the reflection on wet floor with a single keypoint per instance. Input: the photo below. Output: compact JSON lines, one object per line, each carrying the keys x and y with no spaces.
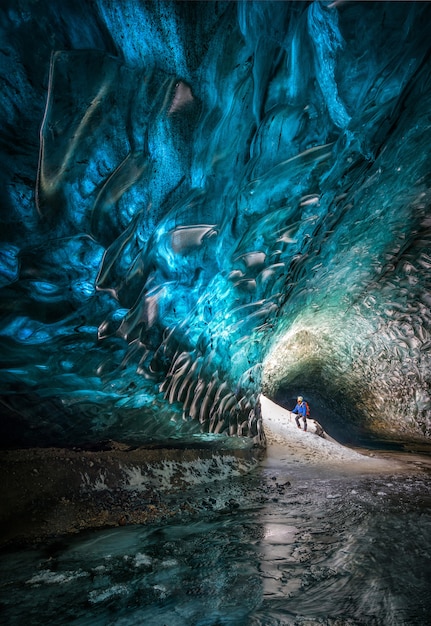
{"x":263,"y":550}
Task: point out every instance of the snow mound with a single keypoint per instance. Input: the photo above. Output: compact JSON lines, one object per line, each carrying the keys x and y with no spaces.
{"x":288,"y":444}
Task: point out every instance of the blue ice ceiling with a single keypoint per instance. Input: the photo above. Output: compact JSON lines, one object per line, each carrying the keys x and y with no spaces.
{"x":201,"y":200}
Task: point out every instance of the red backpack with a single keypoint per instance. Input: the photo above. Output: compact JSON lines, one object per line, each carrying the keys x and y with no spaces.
{"x":307,"y":414}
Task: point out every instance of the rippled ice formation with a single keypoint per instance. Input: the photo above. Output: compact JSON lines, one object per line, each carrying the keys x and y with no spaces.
{"x":202,"y":200}
{"x":287,"y":551}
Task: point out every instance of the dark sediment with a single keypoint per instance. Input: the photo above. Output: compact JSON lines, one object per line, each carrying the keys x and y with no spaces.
{"x":50,"y":492}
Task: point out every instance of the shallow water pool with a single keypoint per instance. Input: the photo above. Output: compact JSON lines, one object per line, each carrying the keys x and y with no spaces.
{"x":268,"y":549}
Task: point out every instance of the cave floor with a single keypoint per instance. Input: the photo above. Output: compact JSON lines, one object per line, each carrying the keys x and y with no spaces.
{"x":46,"y":493}
{"x":49,"y":492}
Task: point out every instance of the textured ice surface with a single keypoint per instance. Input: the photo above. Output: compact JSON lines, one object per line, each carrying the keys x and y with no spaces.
{"x":201,"y":200}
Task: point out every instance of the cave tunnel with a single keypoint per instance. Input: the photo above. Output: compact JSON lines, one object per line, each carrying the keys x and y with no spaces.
{"x":204,"y":204}
{"x":204,"y":201}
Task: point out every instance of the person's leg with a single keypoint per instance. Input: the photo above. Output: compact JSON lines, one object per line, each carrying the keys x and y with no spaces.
{"x":305,"y":423}
{"x":297,"y":421}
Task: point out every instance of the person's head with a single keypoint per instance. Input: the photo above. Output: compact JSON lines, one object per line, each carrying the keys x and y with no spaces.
{"x":300,"y":398}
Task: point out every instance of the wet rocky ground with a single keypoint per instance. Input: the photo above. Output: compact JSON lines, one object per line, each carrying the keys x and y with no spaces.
{"x":50,"y":492}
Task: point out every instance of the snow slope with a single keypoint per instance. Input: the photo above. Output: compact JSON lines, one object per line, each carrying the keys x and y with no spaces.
{"x":287,"y":445}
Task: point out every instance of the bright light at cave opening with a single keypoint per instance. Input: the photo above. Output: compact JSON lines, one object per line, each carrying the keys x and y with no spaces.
{"x":296,"y":344}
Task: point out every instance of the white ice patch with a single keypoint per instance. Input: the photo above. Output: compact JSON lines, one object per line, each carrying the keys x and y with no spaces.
{"x":169,"y":563}
{"x":135,"y":479}
{"x":161,"y":590}
{"x":95,"y":597}
{"x":141,"y":559}
{"x":173,"y":474}
{"x":100,"y":569}
{"x":47,"y":577}
{"x":97,"y":485}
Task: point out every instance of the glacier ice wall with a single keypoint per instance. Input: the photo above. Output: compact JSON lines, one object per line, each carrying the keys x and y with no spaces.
{"x":201,"y":200}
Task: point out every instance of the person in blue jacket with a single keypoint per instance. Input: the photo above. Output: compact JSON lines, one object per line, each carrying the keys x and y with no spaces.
{"x":301,"y":411}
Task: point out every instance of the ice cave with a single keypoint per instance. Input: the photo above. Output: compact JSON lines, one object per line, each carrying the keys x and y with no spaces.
{"x":209,"y":208}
